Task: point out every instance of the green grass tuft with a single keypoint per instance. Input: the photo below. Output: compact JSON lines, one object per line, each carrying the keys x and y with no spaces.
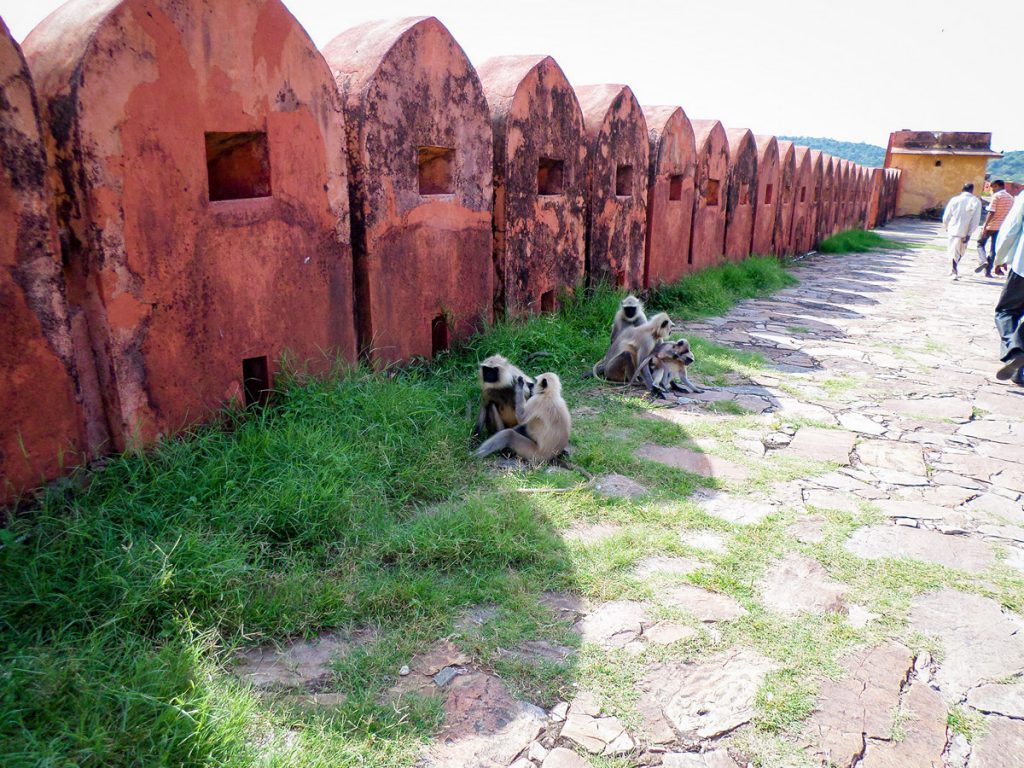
{"x":859,"y":241}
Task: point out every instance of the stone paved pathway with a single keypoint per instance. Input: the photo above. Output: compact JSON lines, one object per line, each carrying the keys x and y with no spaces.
{"x":876,"y":626}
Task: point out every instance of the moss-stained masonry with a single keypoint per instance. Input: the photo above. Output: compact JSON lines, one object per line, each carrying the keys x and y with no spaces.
{"x":540,"y":182}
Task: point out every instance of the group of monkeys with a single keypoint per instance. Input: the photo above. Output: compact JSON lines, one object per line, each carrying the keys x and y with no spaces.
{"x":529,"y":417}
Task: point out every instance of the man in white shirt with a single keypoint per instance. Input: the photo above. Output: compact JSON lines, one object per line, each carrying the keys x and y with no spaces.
{"x":1010,"y":309}
{"x":961,"y":218}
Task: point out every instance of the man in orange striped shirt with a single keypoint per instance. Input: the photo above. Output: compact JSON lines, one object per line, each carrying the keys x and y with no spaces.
{"x":998,"y":207}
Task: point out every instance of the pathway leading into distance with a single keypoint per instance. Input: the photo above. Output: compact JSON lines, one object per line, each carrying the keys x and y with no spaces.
{"x":851,"y":605}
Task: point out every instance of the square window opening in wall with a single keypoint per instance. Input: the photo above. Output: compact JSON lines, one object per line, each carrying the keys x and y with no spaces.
{"x":436,"y":170}
{"x":547,"y":302}
{"x":768,"y":194}
{"x":440,"y":335}
{"x":711,"y":193}
{"x":237,"y":165}
{"x":675,"y":186}
{"x":550,"y":176}
{"x":938,"y":163}
{"x":256,"y":380}
{"x":624,"y":181}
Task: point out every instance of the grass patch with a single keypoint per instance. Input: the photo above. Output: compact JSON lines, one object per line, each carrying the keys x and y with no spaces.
{"x":714,"y":291}
{"x":353,"y":501}
{"x":859,"y":241}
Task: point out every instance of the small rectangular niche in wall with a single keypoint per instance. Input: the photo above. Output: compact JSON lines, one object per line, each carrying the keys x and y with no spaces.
{"x":744,"y":194}
{"x":440,"y":336}
{"x":624,"y":181}
{"x":768,"y":194}
{"x":550,"y":177}
{"x":256,"y":380}
{"x":436,"y":170}
{"x":620,"y":278}
{"x":803,"y":194}
{"x":547,"y":301}
{"x":675,"y":186}
{"x":237,"y":165}
{"x":711,"y":193}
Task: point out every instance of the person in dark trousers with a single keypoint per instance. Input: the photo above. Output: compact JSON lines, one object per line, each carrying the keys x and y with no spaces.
{"x":1010,"y":309}
{"x":998,"y":208}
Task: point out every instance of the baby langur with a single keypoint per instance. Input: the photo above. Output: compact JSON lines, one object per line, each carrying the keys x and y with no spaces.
{"x":632,"y":347}
{"x":498,"y":395}
{"x":667,"y":365}
{"x":630,"y":315}
{"x":544,"y":423}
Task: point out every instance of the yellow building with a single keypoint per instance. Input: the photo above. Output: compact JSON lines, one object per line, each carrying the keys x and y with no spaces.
{"x":936,"y":166}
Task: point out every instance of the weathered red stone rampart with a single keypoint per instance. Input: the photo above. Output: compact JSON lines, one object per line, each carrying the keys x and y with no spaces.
{"x":617,"y":158}
{"x":670,"y":191}
{"x":539,"y":182}
{"x":198,"y":196}
{"x":784,"y":213}
{"x":707,"y":241}
{"x":42,"y":426}
{"x":421,"y":157}
{"x":739,"y":212}
{"x":203,"y":200}
{"x":767,"y":203}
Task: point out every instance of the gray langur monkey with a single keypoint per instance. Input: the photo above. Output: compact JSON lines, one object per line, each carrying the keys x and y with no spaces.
{"x":544,"y":423}
{"x":667,"y":365}
{"x":632,"y":347}
{"x":630,"y":315}
{"x":498,"y":395}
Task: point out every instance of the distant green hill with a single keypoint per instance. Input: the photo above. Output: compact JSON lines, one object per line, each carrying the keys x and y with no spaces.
{"x":1009,"y":167}
{"x":866,"y":154}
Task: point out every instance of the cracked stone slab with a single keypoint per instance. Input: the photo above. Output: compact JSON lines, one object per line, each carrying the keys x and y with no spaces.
{"x":668,"y":632}
{"x":914,"y":510}
{"x":824,"y":499}
{"x":937,"y":408}
{"x":922,"y":716}
{"x":702,"y":604}
{"x":564,"y":605}
{"x":996,"y":431}
{"x":860,"y":705}
{"x":798,"y":584}
{"x":981,"y":642}
{"x":994,"y":506}
{"x":706,"y":699}
{"x":998,"y":699}
{"x":810,"y":530}
{"x":1002,"y":745}
{"x":560,"y":757}
{"x":878,"y":541}
{"x":716,"y":758}
{"x":703,"y":464}
{"x":819,"y":444}
{"x":619,"y":486}
{"x":297,"y":663}
{"x":484,"y":725}
{"x":599,"y":735}
{"x":613,"y":624}
{"x":857,"y":422}
{"x":734,"y":509}
{"x":889,"y":454}
{"x":538,"y":652}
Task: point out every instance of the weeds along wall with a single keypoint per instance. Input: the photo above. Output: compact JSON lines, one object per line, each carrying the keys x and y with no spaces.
{"x":191,"y":192}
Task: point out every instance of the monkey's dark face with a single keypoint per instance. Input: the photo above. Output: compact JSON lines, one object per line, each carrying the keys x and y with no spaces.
{"x":681,"y":352}
{"x":629,"y":311}
{"x":490,"y":374}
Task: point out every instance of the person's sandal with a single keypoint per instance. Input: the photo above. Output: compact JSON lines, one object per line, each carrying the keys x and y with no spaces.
{"x":1013,"y":365}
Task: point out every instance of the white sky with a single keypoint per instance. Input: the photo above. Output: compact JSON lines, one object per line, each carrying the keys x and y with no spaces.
{"x":853,"y":70}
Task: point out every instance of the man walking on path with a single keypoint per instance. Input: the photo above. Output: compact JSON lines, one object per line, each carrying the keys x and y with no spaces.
{"x":1010,"y":309}
{"x":998,"y":207}
{"x":961,"y":217}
